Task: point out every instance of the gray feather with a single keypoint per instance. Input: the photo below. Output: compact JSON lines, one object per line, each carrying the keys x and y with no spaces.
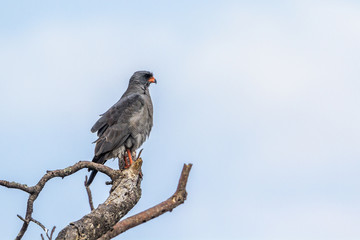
{"x":128,"y":123}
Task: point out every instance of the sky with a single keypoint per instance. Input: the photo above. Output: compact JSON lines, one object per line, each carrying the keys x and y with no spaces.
{"x":261,"y":96}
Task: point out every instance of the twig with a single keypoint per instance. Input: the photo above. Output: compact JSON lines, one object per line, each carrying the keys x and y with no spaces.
{"x":138,"y":156}
{"x":34,"y":191}
{"x":89,"y":194}
{"x":52,"y":232}
{"x":40,"y":225}
{"x":21,"y":218}
{"x":175,"y":200}
{"x":130,"y":196}
{"x":16,"y":185}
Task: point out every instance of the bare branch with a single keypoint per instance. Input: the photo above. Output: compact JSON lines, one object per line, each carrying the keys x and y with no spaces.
{"x":175,"y":200}
{"x":42,"y":226}
{"x":124,"y":194}
{"x":138,"y":156}
{"x":20,"y":186}
{"x":34,"y":191}
{"x":52,"y":232}
{"x":103,"y":221}
{"x":88,"y":191}
{"x":21,"y":218}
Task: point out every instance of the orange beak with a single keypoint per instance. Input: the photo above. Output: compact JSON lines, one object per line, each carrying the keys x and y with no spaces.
{"x":152,"y":80}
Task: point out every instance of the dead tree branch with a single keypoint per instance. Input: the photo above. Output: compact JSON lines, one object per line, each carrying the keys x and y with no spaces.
{"x":103,"y":222}
{"x":175,"y":200}
{"x":125,"y":193}
{"x":42,"y":226}
{"x":34,"y":191}
{"x":88,"y":191}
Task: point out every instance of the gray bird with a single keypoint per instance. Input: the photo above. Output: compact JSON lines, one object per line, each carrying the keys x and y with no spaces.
{"x":125,"y":126}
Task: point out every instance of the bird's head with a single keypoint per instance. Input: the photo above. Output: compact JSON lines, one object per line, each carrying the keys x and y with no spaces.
{"x":143,"y":78}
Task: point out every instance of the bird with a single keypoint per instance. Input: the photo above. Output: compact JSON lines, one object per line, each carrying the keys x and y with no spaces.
{"x":124,"y":127}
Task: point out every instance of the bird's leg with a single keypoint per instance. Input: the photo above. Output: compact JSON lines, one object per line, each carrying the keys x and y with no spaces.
{"x":127,"y":165}
{"x":129,"y":155}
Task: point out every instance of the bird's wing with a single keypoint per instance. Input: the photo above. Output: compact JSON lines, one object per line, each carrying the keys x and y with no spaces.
{"x":115,"y":125}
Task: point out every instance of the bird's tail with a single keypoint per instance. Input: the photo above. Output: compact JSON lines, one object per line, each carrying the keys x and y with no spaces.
{"x":97,"y":159}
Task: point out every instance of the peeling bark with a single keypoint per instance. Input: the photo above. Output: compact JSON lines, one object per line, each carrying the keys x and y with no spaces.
{"x":125,"y":193}
{"x":168,"y":205}
{"x":34,"y":191}
{"x":103,"y":222}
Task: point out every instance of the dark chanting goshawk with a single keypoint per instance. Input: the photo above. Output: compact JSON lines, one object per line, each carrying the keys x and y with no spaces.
{"x":125,"y":126}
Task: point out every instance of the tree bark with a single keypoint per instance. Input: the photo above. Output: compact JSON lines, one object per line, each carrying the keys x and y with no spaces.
{"x":103,"y":222}
{"x":168,"y":205}
{"x":124,"y":195}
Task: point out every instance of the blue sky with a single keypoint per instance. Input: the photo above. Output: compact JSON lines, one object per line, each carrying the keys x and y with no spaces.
{"x":263,"y":98}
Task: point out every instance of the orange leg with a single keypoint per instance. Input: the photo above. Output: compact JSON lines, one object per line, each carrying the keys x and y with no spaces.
{"x":129,"y":155}
{"x":127,"y":165}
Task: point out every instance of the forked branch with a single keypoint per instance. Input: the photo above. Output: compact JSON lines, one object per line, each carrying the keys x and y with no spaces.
{"x":102,"y":222}
{"x":167,"y":206}
{"x":35,"y":190}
